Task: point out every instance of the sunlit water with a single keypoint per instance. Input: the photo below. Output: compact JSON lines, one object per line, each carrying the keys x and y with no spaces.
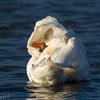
{"x":17,"y":19}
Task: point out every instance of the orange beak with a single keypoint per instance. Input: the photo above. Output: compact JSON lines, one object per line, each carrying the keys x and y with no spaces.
{"x":38,"y":45}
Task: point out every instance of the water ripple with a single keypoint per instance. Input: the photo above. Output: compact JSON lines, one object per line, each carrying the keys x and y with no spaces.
{"x":17,"y":19}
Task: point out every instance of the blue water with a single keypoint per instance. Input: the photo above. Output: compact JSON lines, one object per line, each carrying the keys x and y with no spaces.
{"x":17,"y":19}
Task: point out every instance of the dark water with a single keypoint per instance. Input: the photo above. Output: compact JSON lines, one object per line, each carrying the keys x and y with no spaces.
{"x":17,"y":19}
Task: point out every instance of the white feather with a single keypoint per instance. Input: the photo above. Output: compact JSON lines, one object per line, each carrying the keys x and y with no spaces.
{"x":65,"y":50}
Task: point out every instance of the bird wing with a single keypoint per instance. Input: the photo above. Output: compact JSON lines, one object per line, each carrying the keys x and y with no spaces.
{"x":71,"y":54}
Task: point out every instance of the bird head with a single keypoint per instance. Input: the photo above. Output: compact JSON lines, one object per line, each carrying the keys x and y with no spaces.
{"x":45,"y":30}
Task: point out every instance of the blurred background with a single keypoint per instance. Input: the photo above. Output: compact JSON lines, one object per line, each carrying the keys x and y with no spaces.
{"x":17,"y":20}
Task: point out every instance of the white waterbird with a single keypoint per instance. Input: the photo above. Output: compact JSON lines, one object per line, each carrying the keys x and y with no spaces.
{"x":58,"y":55}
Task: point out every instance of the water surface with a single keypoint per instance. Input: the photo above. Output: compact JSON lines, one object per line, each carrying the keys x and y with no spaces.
{"x":17,"y":19}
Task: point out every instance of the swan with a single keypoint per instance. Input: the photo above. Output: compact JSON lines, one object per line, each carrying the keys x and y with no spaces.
{"x":57,"y":54}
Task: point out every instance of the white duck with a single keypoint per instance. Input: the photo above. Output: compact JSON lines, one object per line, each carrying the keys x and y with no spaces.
{"x":57,"y":54}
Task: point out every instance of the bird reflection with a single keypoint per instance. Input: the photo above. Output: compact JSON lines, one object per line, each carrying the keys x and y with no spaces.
{"x":58,"y":92}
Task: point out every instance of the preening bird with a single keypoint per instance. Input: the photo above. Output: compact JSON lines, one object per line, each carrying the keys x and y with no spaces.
{"x":58,"y":55}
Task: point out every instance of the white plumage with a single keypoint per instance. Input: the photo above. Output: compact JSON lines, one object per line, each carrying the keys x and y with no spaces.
{"x":64,"y":58}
